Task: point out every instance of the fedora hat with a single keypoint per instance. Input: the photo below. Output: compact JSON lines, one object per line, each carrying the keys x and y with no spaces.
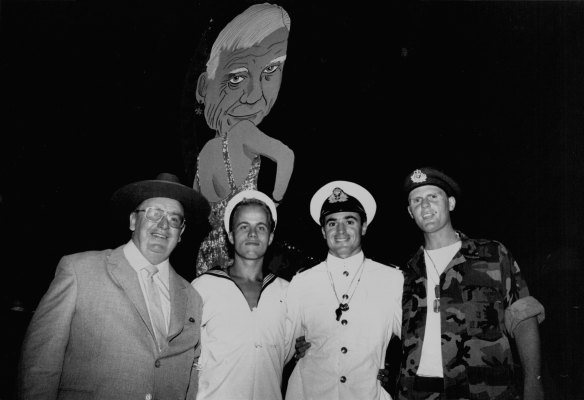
{"x":195,"y":205}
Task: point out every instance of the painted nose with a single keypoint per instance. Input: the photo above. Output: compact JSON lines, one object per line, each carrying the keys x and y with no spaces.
{"x":253,"y":91}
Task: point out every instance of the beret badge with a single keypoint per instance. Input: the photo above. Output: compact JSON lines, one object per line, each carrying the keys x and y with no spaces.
{"x":418,"y":176}
{"x":338,"y":196}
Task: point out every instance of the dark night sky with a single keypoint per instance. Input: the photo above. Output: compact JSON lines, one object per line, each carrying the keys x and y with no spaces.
{"x":492,"y":92}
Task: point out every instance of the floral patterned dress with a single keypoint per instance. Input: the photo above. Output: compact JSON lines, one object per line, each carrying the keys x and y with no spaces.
{"x":213,"y":249}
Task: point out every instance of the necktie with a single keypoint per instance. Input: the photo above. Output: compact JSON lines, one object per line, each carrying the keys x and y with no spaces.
{"x":156,"y":315}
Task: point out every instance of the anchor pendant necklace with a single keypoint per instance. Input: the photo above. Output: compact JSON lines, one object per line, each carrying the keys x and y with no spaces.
{"x":344,"y":302}
{"x":437,"y":286}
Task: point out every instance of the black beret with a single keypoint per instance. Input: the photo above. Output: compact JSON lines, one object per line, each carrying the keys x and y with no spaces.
{"x":431,"y":176}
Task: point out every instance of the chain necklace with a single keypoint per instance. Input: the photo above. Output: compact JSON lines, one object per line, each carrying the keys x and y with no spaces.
{"x":437,"y":287}
{"x":344,"y":302}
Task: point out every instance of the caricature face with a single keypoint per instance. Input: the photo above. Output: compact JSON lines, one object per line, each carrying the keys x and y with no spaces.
{"x":430,"y":207}
{"x":246,"y":83}
{"x":343,"y":232}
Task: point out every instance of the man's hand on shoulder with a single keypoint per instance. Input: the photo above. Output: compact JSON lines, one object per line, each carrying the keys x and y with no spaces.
{"x":301,"y":347}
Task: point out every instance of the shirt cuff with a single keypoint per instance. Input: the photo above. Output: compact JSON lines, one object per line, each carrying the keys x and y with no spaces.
{"x":522,"y":309}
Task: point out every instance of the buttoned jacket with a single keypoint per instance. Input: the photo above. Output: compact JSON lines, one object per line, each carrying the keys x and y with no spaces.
{"x":348,"y":349}
{"x":91,"y":336}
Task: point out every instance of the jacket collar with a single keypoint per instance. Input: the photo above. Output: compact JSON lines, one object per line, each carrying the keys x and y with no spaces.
{"x":468,"y":250}
{"x":126,"y":277}
{"x":221,"y":273}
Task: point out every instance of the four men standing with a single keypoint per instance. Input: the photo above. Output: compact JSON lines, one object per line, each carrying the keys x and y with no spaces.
{"x":121,"y":323}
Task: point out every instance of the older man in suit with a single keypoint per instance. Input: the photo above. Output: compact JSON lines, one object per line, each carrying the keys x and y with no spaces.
{"x":121,"y":324}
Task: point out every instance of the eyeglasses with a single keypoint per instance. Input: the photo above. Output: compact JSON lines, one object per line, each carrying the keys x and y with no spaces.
{"x":154,"y":214}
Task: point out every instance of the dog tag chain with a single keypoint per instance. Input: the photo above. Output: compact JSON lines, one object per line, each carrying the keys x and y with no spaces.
{"x":437,"y":287}
{"x":346,"y":298}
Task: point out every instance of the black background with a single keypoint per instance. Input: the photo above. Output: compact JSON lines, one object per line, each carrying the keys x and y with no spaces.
{"x":491,"y":92}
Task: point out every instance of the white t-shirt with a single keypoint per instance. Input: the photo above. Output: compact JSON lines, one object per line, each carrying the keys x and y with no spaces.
{"x":431,"y":358}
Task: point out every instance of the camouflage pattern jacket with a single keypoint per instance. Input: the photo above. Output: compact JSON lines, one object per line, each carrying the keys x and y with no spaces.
{"x":482,"y":298}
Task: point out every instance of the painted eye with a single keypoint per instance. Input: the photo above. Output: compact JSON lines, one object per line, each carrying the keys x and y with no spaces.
{"x":270,"y":69}
{"x":236,"y":79}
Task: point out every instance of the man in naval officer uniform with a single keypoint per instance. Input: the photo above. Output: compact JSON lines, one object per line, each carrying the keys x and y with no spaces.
{"x":348,"y":307}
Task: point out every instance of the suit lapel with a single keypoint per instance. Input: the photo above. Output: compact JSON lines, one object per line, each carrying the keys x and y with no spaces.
{"x":127,"y":278}
{"x":178,"y":304}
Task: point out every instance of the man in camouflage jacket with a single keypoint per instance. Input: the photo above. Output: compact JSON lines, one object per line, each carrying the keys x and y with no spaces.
{"x":457,"y":336}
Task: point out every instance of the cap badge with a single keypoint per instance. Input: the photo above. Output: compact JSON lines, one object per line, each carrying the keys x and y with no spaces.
{"x":338,"y":196}
{"x":418,"y":176}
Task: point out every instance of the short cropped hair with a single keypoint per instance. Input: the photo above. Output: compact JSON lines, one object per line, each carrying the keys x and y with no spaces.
{"x":255,"y":202}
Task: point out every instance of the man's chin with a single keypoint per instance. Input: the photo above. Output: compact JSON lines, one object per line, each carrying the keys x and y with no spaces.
{"x":344,"y":251}
{"x":253,"y":256}
{"x":157,"y":255}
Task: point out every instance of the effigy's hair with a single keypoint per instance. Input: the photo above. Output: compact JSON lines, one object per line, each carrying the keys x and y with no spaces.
{"x":246,"y":30}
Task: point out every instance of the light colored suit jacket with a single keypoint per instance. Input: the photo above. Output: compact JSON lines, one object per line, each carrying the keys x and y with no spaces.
{"x":91,"y":336}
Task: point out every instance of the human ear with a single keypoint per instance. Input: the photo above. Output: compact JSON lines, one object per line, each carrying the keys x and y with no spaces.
{"x":363,"y":229}
{"x":410,"y":212}
{"x":201,"y":91}
{"x":451,"y":203}
{"x":230,"y":237}
{"x":133,"y":221}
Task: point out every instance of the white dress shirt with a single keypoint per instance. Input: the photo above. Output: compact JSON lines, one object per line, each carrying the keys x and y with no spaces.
{"x":138,"y":261}
{"x":242,"y":351}
{"x":345,"y":356}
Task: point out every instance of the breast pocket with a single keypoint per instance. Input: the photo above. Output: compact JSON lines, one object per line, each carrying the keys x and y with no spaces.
{"x":485,"y":312}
